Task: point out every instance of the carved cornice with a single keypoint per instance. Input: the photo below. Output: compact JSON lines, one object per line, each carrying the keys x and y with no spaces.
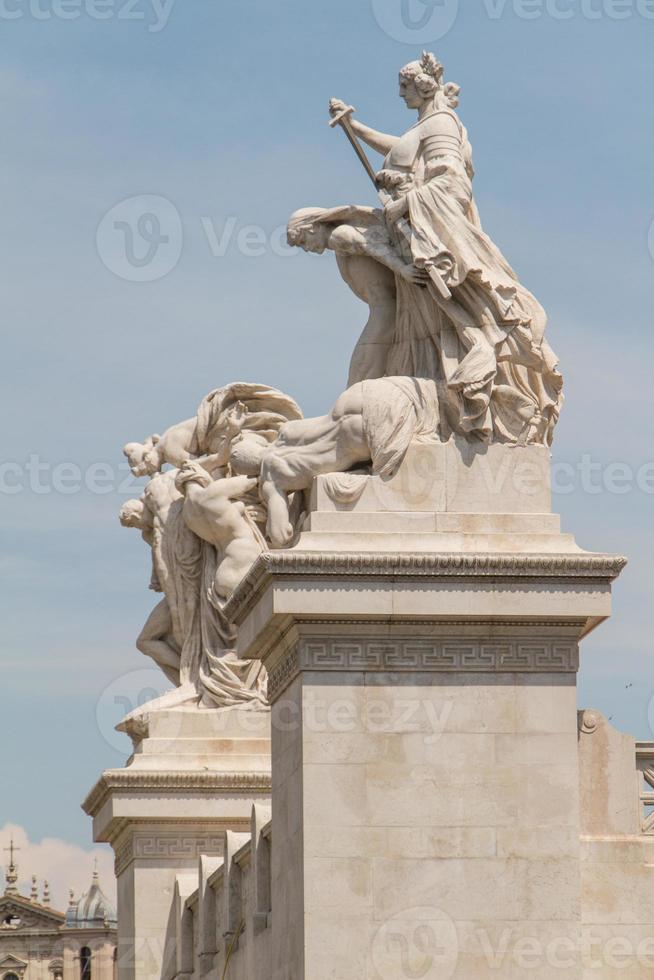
{"x":168,"y":782}
{"x":511,"y":654}
{"x":416,"y":565}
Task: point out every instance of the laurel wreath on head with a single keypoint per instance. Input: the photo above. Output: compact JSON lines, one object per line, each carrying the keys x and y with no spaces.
{"x":431,"y":66}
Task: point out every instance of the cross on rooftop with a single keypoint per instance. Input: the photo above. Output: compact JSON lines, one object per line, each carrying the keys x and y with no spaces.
{"x":12,"y":848}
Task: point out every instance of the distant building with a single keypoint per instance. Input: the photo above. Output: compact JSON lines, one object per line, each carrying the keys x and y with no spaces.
{"x":39,"y":943}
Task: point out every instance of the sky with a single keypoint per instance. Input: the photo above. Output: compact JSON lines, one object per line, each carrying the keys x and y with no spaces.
{"x":65,"y":867}
{"x":211,"y":116}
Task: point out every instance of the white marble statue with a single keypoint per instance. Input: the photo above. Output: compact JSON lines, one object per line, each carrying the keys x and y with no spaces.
{"x":372,"y":422}
{"x":176,"y":572}
{"x":467,"y":321}
{"x":453,"y":349}
{"x":204,"y":520}
{"x":214,"y":511}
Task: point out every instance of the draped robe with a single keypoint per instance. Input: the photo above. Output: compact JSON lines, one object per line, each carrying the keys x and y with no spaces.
{"x":509,"y":389}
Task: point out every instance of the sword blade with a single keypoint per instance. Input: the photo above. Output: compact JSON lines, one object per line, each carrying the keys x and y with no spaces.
{"x":346,"y":126}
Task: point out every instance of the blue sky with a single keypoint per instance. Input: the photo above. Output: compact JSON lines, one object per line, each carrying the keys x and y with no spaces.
{"x":221,"y":111}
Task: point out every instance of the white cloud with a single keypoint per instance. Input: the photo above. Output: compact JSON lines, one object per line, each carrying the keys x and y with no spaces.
{"x":62,"y":864}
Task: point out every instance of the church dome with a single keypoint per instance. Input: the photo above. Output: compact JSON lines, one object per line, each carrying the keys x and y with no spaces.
{"x":92,"y":910}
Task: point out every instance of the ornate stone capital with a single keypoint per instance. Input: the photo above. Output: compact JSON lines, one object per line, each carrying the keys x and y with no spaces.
{"x":169,"y":783}
{"x":166,"y":809}
{"x":419,"y":566}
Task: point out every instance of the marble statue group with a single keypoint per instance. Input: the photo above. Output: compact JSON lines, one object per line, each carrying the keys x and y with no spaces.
{"x":454,"y":348}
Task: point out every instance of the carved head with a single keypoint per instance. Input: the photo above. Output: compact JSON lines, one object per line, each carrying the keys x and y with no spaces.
{"x":143,"y":457}
{"x":307,"y":231}
{"x":421,"y":81}
{"x":131,"y":513}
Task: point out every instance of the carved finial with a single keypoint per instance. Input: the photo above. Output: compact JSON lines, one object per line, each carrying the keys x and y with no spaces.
{"x":11,"y":874}
{"x":46,"y":893}
{"x":34,"y":894}
{"x":96,"y":876}
{"x":71,"y":899}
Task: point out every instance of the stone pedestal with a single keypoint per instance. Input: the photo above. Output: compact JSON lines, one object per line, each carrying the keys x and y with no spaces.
{"x":425,"y":792}
{"x":194,"y":775}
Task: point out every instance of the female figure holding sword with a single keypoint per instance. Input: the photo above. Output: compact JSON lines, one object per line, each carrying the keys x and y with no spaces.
{"x":475,"y":327}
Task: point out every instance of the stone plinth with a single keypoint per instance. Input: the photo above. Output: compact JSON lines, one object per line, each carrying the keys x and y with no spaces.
{"x":426,"y":812}
{"x":194,"y":775}
{"x":444,"y":478}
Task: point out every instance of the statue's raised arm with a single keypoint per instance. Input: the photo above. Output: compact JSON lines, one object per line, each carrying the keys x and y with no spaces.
{"x":381,"y":142}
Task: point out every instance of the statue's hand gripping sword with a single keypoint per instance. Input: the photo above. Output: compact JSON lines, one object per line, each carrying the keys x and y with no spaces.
{"x":344,"y":120}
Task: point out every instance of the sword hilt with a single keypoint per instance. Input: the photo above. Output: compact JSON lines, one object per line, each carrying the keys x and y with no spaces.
{"x":340,"y":117}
